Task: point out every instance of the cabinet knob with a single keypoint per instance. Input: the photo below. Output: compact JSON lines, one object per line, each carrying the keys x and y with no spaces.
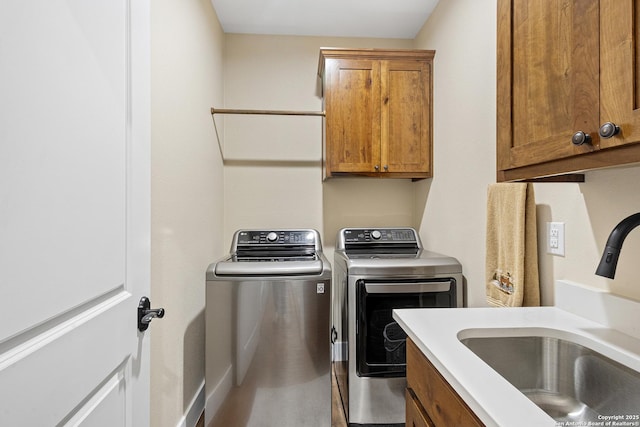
{"x":580,"y":138}
{"x":609,"y":129}
{"x":386,"y":168}
{"x":376,"y":167}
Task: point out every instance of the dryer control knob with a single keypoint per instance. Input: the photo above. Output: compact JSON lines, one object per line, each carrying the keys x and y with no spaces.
{"x":376,"y":234}
{"x":272,"y":237}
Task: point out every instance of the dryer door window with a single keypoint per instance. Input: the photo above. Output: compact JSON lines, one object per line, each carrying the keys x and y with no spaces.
{"x":380,"y":342}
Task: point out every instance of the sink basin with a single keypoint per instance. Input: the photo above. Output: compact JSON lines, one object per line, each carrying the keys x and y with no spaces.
{"x":566,"y":380}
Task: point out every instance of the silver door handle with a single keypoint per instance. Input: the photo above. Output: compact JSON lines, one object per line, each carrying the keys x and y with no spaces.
{"x":399,"y":287}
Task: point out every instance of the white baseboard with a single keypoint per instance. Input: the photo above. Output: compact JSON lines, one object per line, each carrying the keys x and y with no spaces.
{"x":217,"y":396}
{"x":196,"y":406}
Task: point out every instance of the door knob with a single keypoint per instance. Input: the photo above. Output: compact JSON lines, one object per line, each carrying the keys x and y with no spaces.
{"x":146,"y":314}
{"x":608,"y":130}
{"x":580,"y":138}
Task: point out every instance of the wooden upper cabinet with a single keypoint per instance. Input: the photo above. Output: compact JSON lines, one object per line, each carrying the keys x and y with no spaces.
{"x":620,"y":69}
{"x":565,"y":67}
{"x":352,"y":108}
{"x":378,"y":112}
{"x":406,"y":117}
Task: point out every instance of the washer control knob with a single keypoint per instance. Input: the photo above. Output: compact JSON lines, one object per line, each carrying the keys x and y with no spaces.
{"x":376,"y":234}
{"x":272,"y":237}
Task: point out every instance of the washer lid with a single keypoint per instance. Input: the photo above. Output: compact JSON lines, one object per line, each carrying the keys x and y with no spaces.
{"x":268,"y":267}
{"x":424,"y":263}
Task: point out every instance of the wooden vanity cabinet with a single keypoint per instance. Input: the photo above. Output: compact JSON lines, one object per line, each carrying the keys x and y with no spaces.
{"x":378,"y":112}
{"x":564,"y":67}
{"x":416,"y":415}
{"x":431,"y":401}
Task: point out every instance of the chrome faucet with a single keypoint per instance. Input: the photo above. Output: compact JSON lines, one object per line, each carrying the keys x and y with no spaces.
{"x":609,"y":261}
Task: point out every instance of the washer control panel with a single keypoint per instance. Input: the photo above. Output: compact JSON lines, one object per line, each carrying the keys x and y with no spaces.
{"x":268,"y":237}
{"x":379,"y":235}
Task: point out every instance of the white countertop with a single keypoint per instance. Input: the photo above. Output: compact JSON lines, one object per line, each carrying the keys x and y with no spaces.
{"x":495,"y":401}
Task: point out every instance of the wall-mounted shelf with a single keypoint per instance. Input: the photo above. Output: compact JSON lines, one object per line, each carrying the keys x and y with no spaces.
{"x":267,"y":112}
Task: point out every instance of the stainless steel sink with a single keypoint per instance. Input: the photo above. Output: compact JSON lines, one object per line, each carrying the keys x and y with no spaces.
{"x":566,"y":380}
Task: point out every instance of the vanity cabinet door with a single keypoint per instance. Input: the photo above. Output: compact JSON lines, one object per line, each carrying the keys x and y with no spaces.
{"x":443,"y":406}
{"x":415,"y":416}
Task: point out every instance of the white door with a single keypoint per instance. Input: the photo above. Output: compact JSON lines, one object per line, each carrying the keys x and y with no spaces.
{"x":74,"y":212}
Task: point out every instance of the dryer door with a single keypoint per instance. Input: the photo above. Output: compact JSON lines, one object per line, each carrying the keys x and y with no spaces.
{"x":380,"y":342}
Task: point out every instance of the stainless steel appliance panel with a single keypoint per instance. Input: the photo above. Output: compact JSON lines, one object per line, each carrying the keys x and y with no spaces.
{"x":280,"y":332}
{"x":340,"y":339}
{"x":281,"y":355}
{"x":375,"y":400}
{"x":372,"y":400}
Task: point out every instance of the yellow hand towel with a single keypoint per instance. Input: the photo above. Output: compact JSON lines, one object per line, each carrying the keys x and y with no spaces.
{"x":512,"y":249}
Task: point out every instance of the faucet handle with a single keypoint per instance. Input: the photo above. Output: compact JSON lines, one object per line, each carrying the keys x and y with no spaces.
{"x":609,"y":260}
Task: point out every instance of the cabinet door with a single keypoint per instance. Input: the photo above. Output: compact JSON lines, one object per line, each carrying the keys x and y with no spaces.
{"x":406,"y":116}
{"x":548,"y":86}
{"x":440,"y":401}
{"x":415,"y":417}
{"x":620,"y":69}
{"x":352,"y":105}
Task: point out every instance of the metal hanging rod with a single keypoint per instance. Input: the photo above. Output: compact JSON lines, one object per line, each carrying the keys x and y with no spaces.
{"x":268,"y":112}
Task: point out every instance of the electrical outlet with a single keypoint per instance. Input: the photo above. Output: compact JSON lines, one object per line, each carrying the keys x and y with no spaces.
{"x":555,"y":238}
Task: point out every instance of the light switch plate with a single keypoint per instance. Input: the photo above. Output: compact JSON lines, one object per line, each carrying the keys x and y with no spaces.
{"x":555,"y":238}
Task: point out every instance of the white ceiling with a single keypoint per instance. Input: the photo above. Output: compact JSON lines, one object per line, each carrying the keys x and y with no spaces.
{"x":339,"y":18}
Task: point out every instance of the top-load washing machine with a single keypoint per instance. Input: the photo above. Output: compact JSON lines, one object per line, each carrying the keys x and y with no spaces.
{"x":280,"y":283}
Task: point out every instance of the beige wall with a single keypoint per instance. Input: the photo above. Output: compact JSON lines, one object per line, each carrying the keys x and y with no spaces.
{"x":452,"y":205}
{"x":590,"y":211}
{"x":186,"y":196}
{"x":273,"y":175}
